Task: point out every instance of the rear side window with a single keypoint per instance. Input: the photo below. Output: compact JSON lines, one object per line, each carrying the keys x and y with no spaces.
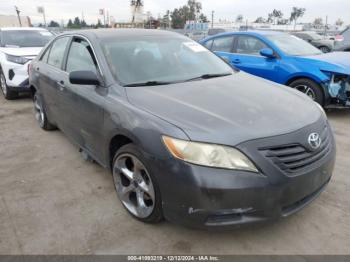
{"x":208,"y":44}
{"x":223,"y":44}
{"x":80,"y":57}
{"x":249,"y":45}
{"x":46,"y":55}
{"x":58,"y":49}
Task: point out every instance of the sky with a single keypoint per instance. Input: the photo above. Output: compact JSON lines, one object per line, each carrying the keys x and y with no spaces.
{"x":59,"y":10}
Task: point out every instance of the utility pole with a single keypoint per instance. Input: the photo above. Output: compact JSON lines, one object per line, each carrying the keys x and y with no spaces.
{"x":41,"y":10}
{"x":19,"y":18}
{"x":325,"y":27}
{"x":212,"y":19}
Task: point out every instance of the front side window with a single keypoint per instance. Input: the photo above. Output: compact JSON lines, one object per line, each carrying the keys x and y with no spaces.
{"x":223,"y":44}
{"x":80,"y":57}
{"x":56,"y":55}
{"x":249,"y":45}
{"x":162,"y":59}
{"x":25,"y":38}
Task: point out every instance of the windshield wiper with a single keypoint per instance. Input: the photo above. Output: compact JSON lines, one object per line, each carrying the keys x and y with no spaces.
{"x":208,"y":76}
{"x":149,"y":83}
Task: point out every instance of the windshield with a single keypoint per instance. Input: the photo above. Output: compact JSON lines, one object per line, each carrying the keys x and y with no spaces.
{"x":292,"y":45}
{"x":25,"y":38}
{"x":160,"y":59}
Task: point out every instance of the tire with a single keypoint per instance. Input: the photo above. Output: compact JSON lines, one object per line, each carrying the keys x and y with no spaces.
{"x":310,"y":88}
{"x":325,"y":49}
{"x":137,"y":190}
{"x":8,"y":94}
{"x":40,"y":114}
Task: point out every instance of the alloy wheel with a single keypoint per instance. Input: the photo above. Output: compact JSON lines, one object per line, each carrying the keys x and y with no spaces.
{"x":39,"y":112}
{"x":134,"y":185}
{"x":306,"y":90}
{"x":3,"y":84}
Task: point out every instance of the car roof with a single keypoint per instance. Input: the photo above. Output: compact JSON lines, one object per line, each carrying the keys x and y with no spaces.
{"x":250,"y":32}
{"x":22,"y":28}
{"x":109,"y":33}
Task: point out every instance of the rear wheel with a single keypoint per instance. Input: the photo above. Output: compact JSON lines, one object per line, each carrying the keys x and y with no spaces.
{"x":136,"y":187}
{"x":40,"y":114}
{"x":309,"y":88}
{"x":8,"y":94}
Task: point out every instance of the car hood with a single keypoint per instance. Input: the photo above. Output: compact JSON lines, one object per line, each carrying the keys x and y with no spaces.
{"x":337,"y":62}
{"x":21,"y":51}
{"x":228,"y":110}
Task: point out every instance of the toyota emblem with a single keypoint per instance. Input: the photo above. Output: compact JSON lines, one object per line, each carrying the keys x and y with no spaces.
{"x":314,"y":141}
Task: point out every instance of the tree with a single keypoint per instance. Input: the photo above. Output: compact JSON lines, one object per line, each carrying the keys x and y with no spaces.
{"x":83,"y":23}
{"x":296,"y":13}
{"x":339,"y":22}
{"x":239,"y":19}
{"x":260,"y":20}
{"x":192,"y":11}
{"x":54,"y":24}
{"x":70,"y":23}
{"x":99,"y":24}
{"x":276,"y":15}
{"x":77,"y":23}
{"x":318,"y":22}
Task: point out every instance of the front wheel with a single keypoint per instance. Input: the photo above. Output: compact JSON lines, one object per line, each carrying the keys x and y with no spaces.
{"x":8,"y":94}
{"x":136,"y":187}
{"x":309,"y":88}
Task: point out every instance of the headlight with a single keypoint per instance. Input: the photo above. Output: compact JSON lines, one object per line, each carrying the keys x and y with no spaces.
{"x":17,"y":59}
{"x":210,"y":155}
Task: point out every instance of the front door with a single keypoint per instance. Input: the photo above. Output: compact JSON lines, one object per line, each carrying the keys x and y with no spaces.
{"x":83,"y":104}
{"x":246,"y":56}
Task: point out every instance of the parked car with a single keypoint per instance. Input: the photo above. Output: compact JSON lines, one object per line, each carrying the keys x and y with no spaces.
{"x":196,"y":35}
{"x":287,"y":60}
{"x":215,"y":31}
{"x":185,"y":136}
{"x":18,"y":46}
{"x":325,"y":45}
{"x":343,"y":41}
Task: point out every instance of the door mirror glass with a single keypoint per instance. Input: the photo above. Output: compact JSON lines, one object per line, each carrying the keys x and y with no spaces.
{"x":83,"y":78}
{"x":267,"y":52}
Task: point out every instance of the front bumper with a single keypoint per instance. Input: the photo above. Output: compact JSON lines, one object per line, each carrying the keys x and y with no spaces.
{"x":16,"y":75}
{"x":199,"y":196}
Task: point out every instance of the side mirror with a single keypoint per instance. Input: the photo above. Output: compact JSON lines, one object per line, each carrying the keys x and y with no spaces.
{"x":84,"y":78}
{"x":267,"y":52}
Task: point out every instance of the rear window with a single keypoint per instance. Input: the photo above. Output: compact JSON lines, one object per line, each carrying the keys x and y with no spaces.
{"x":346,"y":32}
{"x":25,"y":38}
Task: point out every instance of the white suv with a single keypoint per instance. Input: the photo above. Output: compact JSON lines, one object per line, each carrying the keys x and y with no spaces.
{"x":18,"y":46}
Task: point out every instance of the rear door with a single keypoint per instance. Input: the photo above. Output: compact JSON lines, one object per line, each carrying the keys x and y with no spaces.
{"x":223,"y":47}
{"x":247,"y":58}
{"x":82,"y":104}
{"x":50,"y":70}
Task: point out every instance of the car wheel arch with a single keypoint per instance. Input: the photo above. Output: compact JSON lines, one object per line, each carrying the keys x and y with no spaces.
{"x":319,"y":83}
{"x":116,"y":142}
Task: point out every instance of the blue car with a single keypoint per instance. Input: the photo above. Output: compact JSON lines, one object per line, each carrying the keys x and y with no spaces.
{"x":287,"y":60}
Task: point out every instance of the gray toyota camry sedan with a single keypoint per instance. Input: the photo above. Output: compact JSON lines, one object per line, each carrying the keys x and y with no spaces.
{"x":186,"y":137}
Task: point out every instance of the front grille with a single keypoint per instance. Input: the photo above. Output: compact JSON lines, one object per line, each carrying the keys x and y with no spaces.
{"x":293,"y":158}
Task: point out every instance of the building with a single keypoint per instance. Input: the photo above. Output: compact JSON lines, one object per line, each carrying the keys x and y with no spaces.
{"x":12,"y":21}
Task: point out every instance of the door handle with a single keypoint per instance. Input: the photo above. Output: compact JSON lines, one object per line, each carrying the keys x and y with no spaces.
{"x":61,"y":85}
{"x":236,"y":61}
